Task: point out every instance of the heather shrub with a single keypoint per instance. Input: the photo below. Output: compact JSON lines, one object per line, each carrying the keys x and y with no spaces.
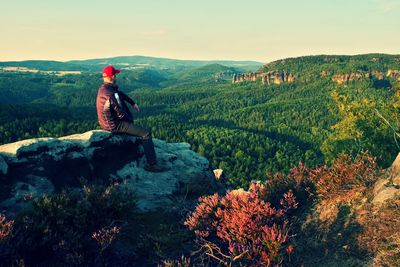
{"x":105,"y":236}
{"x":297,"y":181}
{"x":345,"y":174}
{"x":241,"y":228}
{"x":71,"y":228}
{"x":182,"y":262}
{"x":5,"y":227}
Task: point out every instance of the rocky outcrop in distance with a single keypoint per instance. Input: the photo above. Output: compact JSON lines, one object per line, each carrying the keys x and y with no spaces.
{"x":270,"y":77}
{"x":33,"y":167}
{"x":221,"y":76}
{"x":352,"y":76}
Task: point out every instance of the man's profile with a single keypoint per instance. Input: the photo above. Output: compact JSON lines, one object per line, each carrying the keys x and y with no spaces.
{"x":114,"y":115}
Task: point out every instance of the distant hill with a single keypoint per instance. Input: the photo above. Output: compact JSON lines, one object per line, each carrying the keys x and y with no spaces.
{"x":45,"y":65}
{"x":335,"y":63}
{"x":211,"y":72}
{"x":143,"y":77}
{"x":128,"y":62}
{"x":163,"y":63}
{"x":378,"y":68}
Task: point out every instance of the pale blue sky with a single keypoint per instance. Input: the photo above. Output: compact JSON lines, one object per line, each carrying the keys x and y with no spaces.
{"x":262,"y":30}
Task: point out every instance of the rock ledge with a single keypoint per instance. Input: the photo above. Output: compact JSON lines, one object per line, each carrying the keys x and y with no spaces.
{"x":46,"y":165}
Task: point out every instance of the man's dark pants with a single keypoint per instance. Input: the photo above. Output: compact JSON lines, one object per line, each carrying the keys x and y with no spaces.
{"x":148,"y":145}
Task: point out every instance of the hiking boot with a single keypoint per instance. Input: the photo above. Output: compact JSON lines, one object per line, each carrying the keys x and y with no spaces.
{"x":153,"y":167}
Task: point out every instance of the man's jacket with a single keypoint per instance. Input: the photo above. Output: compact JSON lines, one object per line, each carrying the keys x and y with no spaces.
{"x":111,"y":106}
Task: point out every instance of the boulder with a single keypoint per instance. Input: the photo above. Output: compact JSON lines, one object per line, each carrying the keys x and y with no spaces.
{"x":395,"y":171}
{"x":46,"y":165}
{"x":386,"y":195}
{"x":386,"y":189}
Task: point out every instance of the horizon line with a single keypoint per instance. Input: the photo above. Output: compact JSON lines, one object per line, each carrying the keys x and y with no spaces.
{"x":181,"y":59}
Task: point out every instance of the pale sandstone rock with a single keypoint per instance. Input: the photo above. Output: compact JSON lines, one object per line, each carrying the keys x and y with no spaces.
{"x":46,"y":165}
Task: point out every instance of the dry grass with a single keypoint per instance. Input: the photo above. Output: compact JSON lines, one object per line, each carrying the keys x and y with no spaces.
{"x":349,"y":229}
{"x":389,"y":254}
{"x":381,"y":232}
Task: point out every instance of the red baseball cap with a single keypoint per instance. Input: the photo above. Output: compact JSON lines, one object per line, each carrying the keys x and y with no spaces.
{"x":110,"y":71}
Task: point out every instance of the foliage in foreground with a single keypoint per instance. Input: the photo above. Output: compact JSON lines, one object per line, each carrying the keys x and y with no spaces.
{"x":62,"y":229}
{"x":243,"y":226}
{"x":256,"y":227}
{"x":253,"y":228}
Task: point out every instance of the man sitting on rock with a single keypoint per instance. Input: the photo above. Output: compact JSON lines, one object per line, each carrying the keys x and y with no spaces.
{"x":114,"y":115}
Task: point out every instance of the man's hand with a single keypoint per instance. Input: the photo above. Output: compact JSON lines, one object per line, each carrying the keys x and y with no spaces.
{"x":136,"y":107}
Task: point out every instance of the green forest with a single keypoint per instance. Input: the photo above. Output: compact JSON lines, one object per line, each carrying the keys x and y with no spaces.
{"x":249,"y":129}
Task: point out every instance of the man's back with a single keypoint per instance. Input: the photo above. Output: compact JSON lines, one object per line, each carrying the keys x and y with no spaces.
{"x":111,"y":107}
